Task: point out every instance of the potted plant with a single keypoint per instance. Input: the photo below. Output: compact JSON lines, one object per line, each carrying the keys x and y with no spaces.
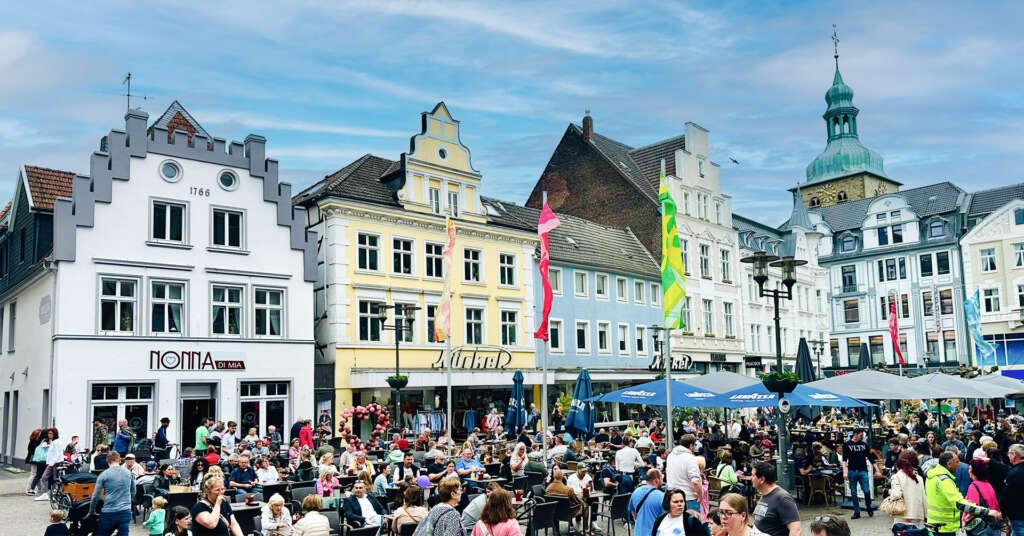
{"x":780,"y":382}
{"x":398,"y":382}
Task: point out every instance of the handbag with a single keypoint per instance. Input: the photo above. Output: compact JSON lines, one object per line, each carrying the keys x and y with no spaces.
{"x":39,"y":456}
{"x":893,"y":504}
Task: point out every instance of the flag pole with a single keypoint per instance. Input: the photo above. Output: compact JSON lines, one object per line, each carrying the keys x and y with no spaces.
{"x":544,"y":375}
{"x":666,"y":356}
{"x":448,"y":346}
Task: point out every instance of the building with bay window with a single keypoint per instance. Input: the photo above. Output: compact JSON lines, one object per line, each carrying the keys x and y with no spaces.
{"x":175,"y":280}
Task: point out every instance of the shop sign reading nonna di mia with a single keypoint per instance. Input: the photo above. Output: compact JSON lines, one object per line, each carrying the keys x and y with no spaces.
{"x":195,"y":360}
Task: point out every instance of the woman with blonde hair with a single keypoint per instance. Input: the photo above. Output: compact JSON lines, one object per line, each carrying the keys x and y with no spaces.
{"x":214,"y":472}
{"x":213,"y":510}
{"x":313,"y":523}
{"x":735,"y":517}
{"x":517,"y":463}
{"x":498,"y":518}
{"x":327,"y":482}
{"x":276,"y":520}
{"x":411,"y":511}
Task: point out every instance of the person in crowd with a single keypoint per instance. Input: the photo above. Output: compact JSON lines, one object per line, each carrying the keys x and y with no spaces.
{"x":273,"y":436}
{"x":165,"y":476}
{"x":1011,"y":501}
{"x":615,"y":440}
{"x":517,"y":462}
{"x":980,"y":491}
{"x":399,"y":442}
{"x":313,"y":523}
{"x":212,"y":455}
{"x":578,"y":509}
{"x":160,"y":441}
{"x":116,"y":486}
{"x":293,"y":453}
{"x":438,"y":468}
{"x":997,"y":469}
{"x":498,"y":518}
{"x":328,"y":481}
{"x":57,"y":526}
{"x":776,"y":513}
{"x":705,"y":486}
{"x":945,"y":503}
{"x":305,"y":434}
{"x":601,"y":436}
{"x":407,"y":467}
{"x":627,"y":461}
{"x":906,"y":483}
{"x":411,"y":511}
{"x":443,"y":440}
{"x":726,"y":473}
{"x":645,"y":503}
{"x":677,"y":521}
{"x":179,"y":521}
{"x":380,"y":483}
{"x":734,"y":517}
{"x":267,"y":473}
{"x":212,"y":513}
{"x":855,"y":470}
{"x":953,"y":441}
{"x":199,"y":469}
{"x":683,"y":473}
{"x":135,"y":468}
{"x":360,"y":463}
{"x":893,"y":454}
{"x":830,"y":525}
{"x":123,"y":438}
{"x":580,"y":479}
{"x":492,"y":421}
{"x":360,"y":508}
{"x":471,"y":513}
{"x":468,"y":467}
{"x":251,"y":438}
{"x":54,"y":456}
{"x":535,"y":463}
{"x":243,"y":478}
{"x":608,"y":479}
{"x":157,"y":516}
{"x":557,"y":419}
{"x":366,"y":479}
{"x":36,"y":459}
{"x":228,"y":440}
{"x":443,"y":519}
{"x":275,"y":518}
{"x":645,"y":441}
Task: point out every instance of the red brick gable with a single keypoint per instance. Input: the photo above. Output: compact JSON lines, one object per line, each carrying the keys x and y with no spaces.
{"x":178,"y":122}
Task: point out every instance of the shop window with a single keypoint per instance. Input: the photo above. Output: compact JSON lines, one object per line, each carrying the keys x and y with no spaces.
{"x":117,"y":306}
{"x":370,"y":321}
{"x":168,"y":222}
{"x":853,"y":349}
{"x":401,"y":256}
{"x":227,"y":228}
{"x":226,"y":309}
{"x":167,"y":304}
{"x":875,"y":346}
{"x":368,"y":257}
{"x":509,"y":328}
{"x":507,"y":269}
{"x":471,"y":271}
{"x":109,"y":403}
{"x":262,"y":405}
{"x":949,"y":345}
{"x":474,"y":326}
{"x":833,"y":345}
{"x":434,"y":260}
{"x":931,"y":340}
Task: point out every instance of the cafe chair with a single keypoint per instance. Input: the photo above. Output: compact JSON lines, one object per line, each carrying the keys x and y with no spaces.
{"x":538,"y":491}
{"x":257,"y":526}
{"x":280,"y":489}
{"x":368,"y":530}
{"x":714,"y":490}
{"x":407,"y":529}
{"x":534,"y":478}
{"x":819,"y":485}
{"x":618,"y":511}
{"x":543,"y":518}
{"x":334,"y":518}
{"x":571,"y":466}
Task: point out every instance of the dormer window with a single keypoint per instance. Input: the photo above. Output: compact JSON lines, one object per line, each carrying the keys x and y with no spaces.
{"x":700,"y":167}
{"x":847,"y":244}
{"x":841,"y":196}
{"x":815,"y":202}
{"x":935,"y":229}
{"x":1018,"y":216}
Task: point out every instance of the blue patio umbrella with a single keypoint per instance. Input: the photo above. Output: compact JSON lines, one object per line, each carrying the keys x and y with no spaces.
{"x":515,"y":417}
{"x":757,"y":396}
{"x":653,"y":394}
{"x":580,"y":420}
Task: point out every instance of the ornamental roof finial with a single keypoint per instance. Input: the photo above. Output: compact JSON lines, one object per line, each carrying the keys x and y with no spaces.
{"x":835,"y":45}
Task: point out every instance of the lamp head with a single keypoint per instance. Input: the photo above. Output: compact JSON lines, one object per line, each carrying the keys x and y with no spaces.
{"x":760,"y":261}
{"x":788,"y":265}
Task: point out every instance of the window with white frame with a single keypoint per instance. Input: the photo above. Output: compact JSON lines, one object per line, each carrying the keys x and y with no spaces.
{"x":684,"y":247}
{"x":226,"y":310}
{"x":167,"y":305}
{"x":726,"y":266}
{"x":405,"y":316}
{"x":641,"y":340}
{"x":401,"y":256}
{"x":621,"y":289}
{"x":474,"y":325}
{"x":990,"y":297}
{"x":117,"y":306}
{"x":110,"y":403}
{"x":433,"y":253}
{"x":624,"y":339}
{"x":434,"y":198}
{"x":727,"y":319}
{"x":655,"y":294}
{"x":227,"y":228}
{"x":705,"y":261}
{"x":601,"y":286}
{"x":509,"y":328}
{"x":370,"y":321}
{"x":709,"y":316}
{"x":579,"y":283}
{"x":936,"y":229}
{"x":453,"y":204}
{"x":471,"y":265}
{"x":168,"y":222}
{"x":687,"y":325}
{"x":988,"y":259}
{"x":1020,"y":299}
{"x":751,"y":288}
{"x":754,"y":343}
{"x":12,"y":324}
{"x":268,"y":311}
{"x":818,"y":297}
{"x":507,"y":269}
{"x":1018,"y":254}
{"x":603,"y":337}
{"x":686,"y":203}
{"x":583,"y":336}
{"x":639,"y":291}
{"x":368,"y":257}
{"x":555,"y":279}
{"x":431,"y":318}
{"x":262,"y":405}
{"x":718,"y":212}
{"x":555,"y":335}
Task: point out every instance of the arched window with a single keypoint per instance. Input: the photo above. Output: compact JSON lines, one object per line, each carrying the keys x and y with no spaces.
{"x":841,"y":196}
{"x":936,"y":229}
{"x":848,"y":243}
{"x":835,"y":126}
{"x":846,"y":124}
{"x":815,"y":202}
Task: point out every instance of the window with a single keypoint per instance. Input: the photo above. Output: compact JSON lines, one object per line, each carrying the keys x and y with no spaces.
{"x":226,"y":310}
{"x":170,"y":171}
{"x":583,"y":336}
{"x":655,"y":294}
{"x":507,"y":269}
{"x":369,"y":252}
{"x":718,"y":212}
{"x":881,"y":270}
{"x":935,"y":229}
{"x":117,"y":307}
{"x":877,"y":350}
{"x":942,"y":262}
{"x":168,"y":222}
{"x":555,"y":278}
{"x":12,"y":324}
{"x":687,"y":326}
{"x":601,"y":286}
{"x":755,"y":344}
{"x":603,"y":336}
{"x":705,"y":261}
{"x":1018,"y":254}
{"x":509,"y":328}
{"x":700,"y":167}
{"x":579,"y":283}
{"x":926,"y":265}
{"x":815,"y":202}
{"x":474,"y":326}
{"x":988,"y":260}
{"x":849,"y":278}
{"x":268,"y":308}
{"x":555,"y":335}
{"x":434,"y":198}
{"x":853,"y":349}
{"x":401,"y":256}
{"x":109,"y":403}
{"x":727,"y":319}
{"x":946,"y":301}
{"x":709,"y":316}
{"x":847,"y":243}
{"x":818,"y":298}
{"x":686,"y":203}
{"x":471,"y":265}
{"x":641,"y":340}
{"x":726,"y":268}
{"x":1020,"y":303}
{"x":431,"y":318}
{"x":841,"y":196}
{"x":931,"y":341}
{"x":905,"y":305}
{"x":621,"y":292}
{"x":227,"y":228}
{"x":903,"y":346}
{"x":833,"y":345}
{"x":262,"y":405}
{"x":927,"y":305}
{"x":434,"y":254}
{"x":897,"y":234}
{"x":1018,"y":216}
{"x":639,"y":291}
{"x":167,"y":301}
{"x":851,"y":311}
{"x":453,"y":204}
{"x":623,"y":339}
{"x":890,"y":269}
{"x":884,"y":307}
{"x":684,"y":246}
{"x":903,"y":267}
{"x":949,"y":342}
{"x":883,"y":236}
{"x":991,"y":298}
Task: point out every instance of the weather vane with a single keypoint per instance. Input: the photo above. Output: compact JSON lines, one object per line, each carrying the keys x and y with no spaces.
{"x":835,"y":44}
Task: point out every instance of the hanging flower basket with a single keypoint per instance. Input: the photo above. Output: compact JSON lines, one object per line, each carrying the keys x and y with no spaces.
{"x":398,"y":382}
{"x":780,"y":383}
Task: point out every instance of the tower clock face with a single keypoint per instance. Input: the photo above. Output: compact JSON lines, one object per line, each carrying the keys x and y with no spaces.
{"x":827,"y":194}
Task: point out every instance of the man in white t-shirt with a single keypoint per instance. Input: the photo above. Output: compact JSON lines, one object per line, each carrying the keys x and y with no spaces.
{"x":227,"y":440}
{"x":735,"y":429}
{"x":683,"y":472}
{"x":627,"y":459}
{"x":580,"y":479}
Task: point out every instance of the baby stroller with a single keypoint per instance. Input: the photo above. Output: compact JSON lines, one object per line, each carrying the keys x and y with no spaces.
{"x":143,"y":450}
{"x":80,"y":523}
{"x":72,"y":487}
{"x":904,"y":529}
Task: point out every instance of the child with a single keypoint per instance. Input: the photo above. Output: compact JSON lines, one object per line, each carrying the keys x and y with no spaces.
{"x":57,"y":526}
{"x":156,"y":517}
{"x":178,"y":522}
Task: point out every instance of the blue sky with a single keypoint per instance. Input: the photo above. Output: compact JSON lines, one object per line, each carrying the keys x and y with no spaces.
{"x":938,"y":85}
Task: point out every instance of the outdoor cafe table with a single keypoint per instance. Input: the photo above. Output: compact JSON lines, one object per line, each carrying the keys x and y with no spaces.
{"x":246,"y":515}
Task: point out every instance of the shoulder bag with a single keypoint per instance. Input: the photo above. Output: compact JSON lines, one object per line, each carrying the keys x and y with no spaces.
{"x":894,"y":504}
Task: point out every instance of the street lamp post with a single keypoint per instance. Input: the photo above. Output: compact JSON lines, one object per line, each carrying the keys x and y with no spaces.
{"x":666,"y":360}
{"x":761,"y":262}
{"x":819,"y":348}
{"x":400,"y":326}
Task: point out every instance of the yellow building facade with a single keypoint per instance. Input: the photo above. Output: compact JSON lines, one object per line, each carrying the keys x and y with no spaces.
{"x":383,"y":228}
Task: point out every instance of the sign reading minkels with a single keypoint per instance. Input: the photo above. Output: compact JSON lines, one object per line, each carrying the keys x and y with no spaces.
{"x":194,"y":361}
{"x":680,"y":363}
{"x":476,"y":357}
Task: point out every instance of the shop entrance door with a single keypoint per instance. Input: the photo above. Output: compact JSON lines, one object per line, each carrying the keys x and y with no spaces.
{"x":198,"y":400}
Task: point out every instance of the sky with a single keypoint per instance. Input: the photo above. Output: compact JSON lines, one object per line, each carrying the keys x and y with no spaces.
{"x":939,"y":85}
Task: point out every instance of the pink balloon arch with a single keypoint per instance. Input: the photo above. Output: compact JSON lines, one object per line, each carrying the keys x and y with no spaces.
{"x":377,"y":414}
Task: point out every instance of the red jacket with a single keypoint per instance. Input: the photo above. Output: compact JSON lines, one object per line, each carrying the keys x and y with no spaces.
{"x":306,"y":436}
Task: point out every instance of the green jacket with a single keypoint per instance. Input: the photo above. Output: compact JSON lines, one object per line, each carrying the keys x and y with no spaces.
{"x":945,"y":503}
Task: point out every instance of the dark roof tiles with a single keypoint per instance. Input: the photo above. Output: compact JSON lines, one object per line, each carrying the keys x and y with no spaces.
{"x":925,"y":201}
{"x":358,"y":180}
{"x":988,"y":201}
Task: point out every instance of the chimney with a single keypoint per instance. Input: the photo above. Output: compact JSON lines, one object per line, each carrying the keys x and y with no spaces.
{"x":588,"y":127}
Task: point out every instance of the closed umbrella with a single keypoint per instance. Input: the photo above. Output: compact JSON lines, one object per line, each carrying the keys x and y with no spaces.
{"x":805,"y":371}
{"x":515,"y":417}
{"x":864,"y":360}
{"x":580,"y":420}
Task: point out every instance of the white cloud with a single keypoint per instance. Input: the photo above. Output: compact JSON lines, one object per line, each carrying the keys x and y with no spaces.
{"x":256,"y":121}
